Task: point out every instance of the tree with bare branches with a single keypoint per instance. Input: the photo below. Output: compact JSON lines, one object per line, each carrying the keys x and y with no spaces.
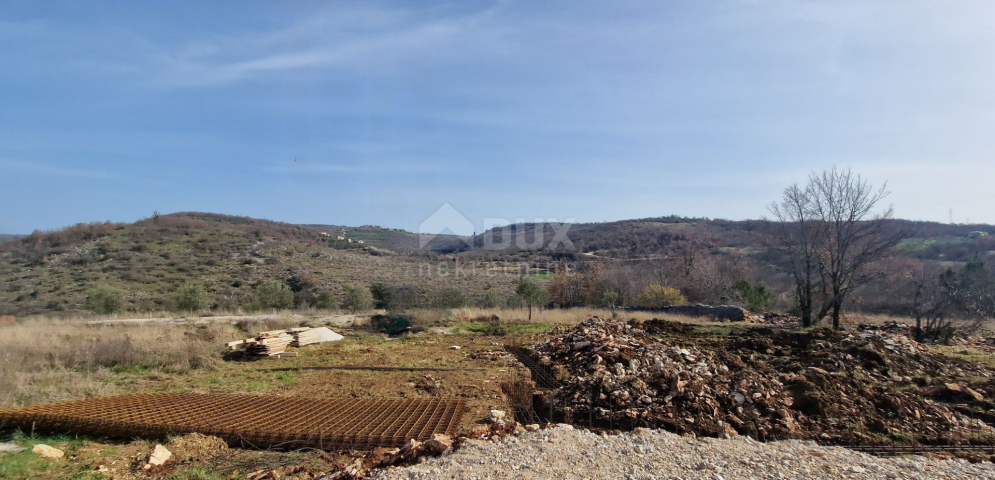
{"x":797,"y":239}
{"x":829,"y":228}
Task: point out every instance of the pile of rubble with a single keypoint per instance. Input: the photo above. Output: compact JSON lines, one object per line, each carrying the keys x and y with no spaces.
{"x":844,"y":388}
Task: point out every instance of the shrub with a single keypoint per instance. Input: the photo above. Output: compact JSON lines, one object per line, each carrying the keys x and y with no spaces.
{"x":657,"y":296}
{"x":357,"y":297}
{"x":325,"y":301}
{"x":391,"y":324}
{"x":447,"y":298}
{"x":755,"y":296}
{"x":490,"y":299}
{"x":381,"y":294}
{"x":611,"y":299}
{"x":104,"y":300}
{"x":189,"y":298}
{"x":397,"y":298}
{"x":270,"y":294}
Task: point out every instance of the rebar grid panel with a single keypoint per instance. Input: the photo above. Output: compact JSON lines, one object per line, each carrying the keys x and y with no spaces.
{"x":541,"y":374}
{"x":248,"y":421}
{"x":518,"y":390}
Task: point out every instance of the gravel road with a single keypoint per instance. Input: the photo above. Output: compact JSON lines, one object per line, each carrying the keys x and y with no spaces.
{"x":565,"y":453}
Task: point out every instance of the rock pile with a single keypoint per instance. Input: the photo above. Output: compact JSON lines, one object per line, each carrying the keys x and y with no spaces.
{"x":863,"y":388}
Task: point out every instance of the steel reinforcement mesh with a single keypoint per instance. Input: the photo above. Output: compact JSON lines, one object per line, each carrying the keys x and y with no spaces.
{"x":248,"y":421}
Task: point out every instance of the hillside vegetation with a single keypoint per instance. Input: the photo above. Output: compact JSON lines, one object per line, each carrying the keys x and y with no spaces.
{"x":149,"y":261}
{"x":202,"y":261}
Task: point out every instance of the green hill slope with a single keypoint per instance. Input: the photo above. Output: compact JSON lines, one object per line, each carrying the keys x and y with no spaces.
{"x":228,"y":256}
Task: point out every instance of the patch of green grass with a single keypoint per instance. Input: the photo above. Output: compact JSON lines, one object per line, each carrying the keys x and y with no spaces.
{"x":905,"y":387}
{"x":541,"y":275}
{"x":197,"y":472}
{"x":967,"y":354}
{"x":256,"y":386}
{"x":129,"y":368}
{"x":22,"y":464}
{"x":287,"y":378}
{"x":917,"y":244}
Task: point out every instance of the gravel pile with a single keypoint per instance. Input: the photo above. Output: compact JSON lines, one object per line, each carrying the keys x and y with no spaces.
{"x":565,"y":453}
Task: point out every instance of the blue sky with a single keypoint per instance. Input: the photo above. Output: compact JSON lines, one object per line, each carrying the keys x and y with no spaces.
{"x":585,"y":110}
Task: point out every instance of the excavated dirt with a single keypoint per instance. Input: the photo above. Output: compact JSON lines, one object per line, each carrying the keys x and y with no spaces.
{"x":857,"y":388}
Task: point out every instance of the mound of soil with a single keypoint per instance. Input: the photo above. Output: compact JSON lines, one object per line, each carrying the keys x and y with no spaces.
{"x":770,"y":384}
{"x":667,"y":327}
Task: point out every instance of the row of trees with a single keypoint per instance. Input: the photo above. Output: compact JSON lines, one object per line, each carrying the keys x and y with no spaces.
{"x":832,"y":238}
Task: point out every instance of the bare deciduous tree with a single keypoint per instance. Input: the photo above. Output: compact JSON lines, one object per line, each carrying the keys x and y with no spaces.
{"x":934,"y":293}
{"x":829,"y":229}
{"x":797,"y":240}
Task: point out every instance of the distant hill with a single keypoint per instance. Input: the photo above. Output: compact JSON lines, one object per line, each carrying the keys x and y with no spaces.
{"x":6,"y":237}
{"x":655,"y":237}
{"x":149,"y":261}
{"x":394,"y":240}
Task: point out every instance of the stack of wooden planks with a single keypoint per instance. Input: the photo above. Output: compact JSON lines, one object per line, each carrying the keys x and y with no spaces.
{"x":275,"y":342}
{"x":304,"y":336}
{"x":271,"y":343}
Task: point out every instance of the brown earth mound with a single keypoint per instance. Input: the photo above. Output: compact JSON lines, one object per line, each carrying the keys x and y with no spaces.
{"x":841,"y":388}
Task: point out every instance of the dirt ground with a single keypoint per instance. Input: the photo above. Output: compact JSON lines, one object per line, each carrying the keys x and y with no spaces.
{"x":775,"y":361}
{"x":479,"y":365}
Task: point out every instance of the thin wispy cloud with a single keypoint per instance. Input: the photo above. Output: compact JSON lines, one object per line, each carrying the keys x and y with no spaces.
{"x":308,"y":167}
{"x":590,"y":109}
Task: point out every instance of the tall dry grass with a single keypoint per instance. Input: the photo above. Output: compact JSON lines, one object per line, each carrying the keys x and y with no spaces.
{"x":564,"y":316}
{"x":45,"y":360}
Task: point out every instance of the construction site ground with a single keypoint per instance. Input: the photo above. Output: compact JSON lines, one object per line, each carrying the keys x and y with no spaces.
{"x":473,"y":372}
{"x":457,"y":362}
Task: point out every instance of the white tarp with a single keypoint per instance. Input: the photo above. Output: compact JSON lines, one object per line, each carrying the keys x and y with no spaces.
{"x":326,"y":335}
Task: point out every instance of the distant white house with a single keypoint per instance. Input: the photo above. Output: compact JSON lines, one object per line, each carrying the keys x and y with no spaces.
{"x":339,"y":237}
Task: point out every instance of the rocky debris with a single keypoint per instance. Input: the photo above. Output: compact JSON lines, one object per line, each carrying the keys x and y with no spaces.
{"x":429,"y":384}
{"x":48,"y":451}
{"x":10,"y":447}
{"x":764,"y":383}
{"x":438,"y":445}
{"x":730,"y":313}
{"x":160,"y":455}
{"x":195,"y":447}
{"x":496,"y":416}
{"x":489,"y":355}
{"x":300,"y":472}
{"x":777,"y":319}
{"x":567,"y":453}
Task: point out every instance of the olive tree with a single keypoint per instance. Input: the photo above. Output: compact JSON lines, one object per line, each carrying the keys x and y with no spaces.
{"x":531,"y":293}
